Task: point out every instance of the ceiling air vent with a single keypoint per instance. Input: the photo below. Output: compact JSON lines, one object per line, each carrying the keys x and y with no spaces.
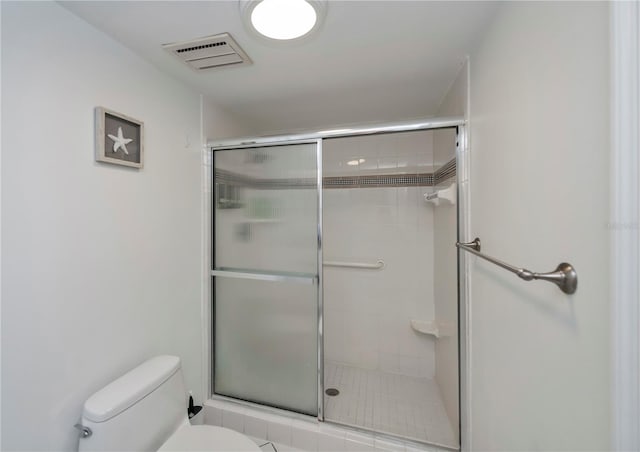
{"x":209,"y":52}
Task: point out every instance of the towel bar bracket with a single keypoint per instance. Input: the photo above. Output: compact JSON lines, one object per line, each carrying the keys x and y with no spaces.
{"x":475,"y":244}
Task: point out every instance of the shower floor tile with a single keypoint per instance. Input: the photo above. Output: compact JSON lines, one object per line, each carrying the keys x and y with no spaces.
{"x":405,"y":406}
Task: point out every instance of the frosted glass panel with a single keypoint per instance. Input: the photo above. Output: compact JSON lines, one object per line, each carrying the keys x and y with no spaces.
{"x":266,"y":342}
{"x":266,"y":209}
{"x":266,"y":275}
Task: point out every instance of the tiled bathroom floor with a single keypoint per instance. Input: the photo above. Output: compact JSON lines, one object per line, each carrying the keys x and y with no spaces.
{"x":406,"y":406}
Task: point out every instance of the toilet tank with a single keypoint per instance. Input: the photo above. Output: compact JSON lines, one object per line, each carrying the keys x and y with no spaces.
{"x":138,"y":411}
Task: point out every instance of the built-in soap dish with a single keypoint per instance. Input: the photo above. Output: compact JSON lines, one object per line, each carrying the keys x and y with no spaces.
{"x":431,"y":328}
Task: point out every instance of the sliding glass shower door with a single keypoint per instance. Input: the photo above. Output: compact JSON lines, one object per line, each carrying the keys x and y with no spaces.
{"x":266,"y":274}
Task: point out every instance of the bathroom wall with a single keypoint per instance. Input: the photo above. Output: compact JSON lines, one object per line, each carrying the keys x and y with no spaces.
{"x":446,"y":272}
{"x":539,"y":181}
{"x":367,"y":312}
{"x":100,"y":263}
{"x":219,"y":124}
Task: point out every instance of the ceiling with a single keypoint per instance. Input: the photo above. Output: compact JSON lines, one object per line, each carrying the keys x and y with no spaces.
{"x":371,"y":61}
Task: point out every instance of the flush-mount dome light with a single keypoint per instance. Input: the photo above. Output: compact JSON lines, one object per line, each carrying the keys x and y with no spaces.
{"x":282,"y":20}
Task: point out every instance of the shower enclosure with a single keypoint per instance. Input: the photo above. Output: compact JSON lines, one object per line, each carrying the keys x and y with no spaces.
{"x":335,"y":277}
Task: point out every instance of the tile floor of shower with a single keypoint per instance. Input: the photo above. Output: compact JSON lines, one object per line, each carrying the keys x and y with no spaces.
{"x":406,"y":406}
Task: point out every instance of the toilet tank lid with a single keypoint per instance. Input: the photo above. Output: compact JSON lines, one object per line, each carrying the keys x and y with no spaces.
{"x":122,"y":393}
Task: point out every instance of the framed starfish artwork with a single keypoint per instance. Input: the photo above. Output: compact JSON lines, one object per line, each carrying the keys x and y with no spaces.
{"x":119,"y":138}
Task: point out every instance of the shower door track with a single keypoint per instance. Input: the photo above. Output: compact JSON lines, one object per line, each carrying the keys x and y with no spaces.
{"x":459,"y":123}
{"x":371,"y":129}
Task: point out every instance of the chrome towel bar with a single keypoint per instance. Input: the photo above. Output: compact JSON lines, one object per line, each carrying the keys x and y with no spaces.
{"x":377,"y":266}
{"x":564,"y":276}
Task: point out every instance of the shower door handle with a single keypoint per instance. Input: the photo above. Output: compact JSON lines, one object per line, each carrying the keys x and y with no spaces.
{"x":299,"y":278}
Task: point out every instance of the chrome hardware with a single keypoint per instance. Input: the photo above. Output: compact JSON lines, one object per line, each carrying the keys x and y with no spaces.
{"x":377,"y":266}
{"x":85,"y":432}
{"x":475,"y":244}
{"x":367,"y":129}
{"x":301,"y":278}
{"x":564,"y":276}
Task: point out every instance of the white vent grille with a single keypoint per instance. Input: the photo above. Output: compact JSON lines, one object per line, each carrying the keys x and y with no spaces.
{"x":209,"y":52}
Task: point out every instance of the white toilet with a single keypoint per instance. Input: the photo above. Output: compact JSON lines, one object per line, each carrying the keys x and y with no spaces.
{"x":146,"y":410}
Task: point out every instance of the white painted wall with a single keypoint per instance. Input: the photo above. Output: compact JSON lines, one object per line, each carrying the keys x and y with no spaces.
{"x":219,"y":123}
{"x":100,"y":264}
{"x":367,"y":313}
{"x":539,"y":180}
{"x":0,"y":235}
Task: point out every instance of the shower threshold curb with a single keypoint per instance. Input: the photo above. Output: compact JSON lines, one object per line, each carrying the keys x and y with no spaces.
{"x":304,"y":432}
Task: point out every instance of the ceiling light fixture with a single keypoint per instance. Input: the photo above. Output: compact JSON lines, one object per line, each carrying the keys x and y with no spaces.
{"x":282,"y":20}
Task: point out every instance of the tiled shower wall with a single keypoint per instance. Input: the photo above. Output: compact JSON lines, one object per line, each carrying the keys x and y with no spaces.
{"x":446,"y":284}
{"x":368,"y":312}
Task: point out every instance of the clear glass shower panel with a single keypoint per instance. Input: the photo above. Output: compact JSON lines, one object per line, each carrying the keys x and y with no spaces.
{"x":266,"y":343}
{"x":266,"y":213}
{"x":390,"y":331}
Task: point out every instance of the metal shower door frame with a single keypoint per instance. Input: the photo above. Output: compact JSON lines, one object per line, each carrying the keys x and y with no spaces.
{"x":285,"y":141}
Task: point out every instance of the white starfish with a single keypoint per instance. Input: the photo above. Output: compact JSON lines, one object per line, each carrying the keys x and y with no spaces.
{"x":120,"y":141}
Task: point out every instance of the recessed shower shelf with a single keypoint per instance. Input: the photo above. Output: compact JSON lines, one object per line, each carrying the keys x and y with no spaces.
{"x":431,"y":328}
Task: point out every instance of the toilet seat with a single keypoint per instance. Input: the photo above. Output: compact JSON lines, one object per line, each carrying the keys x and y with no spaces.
{"x":208,"y":438}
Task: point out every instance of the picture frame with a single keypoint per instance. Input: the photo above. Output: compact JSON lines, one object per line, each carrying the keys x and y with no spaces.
{"x":119,"y":139}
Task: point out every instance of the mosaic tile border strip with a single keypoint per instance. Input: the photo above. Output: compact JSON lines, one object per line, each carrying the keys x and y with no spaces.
{"x":444,"y":173}
{"x":377,"y":181}
{"x":228,"y":177}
